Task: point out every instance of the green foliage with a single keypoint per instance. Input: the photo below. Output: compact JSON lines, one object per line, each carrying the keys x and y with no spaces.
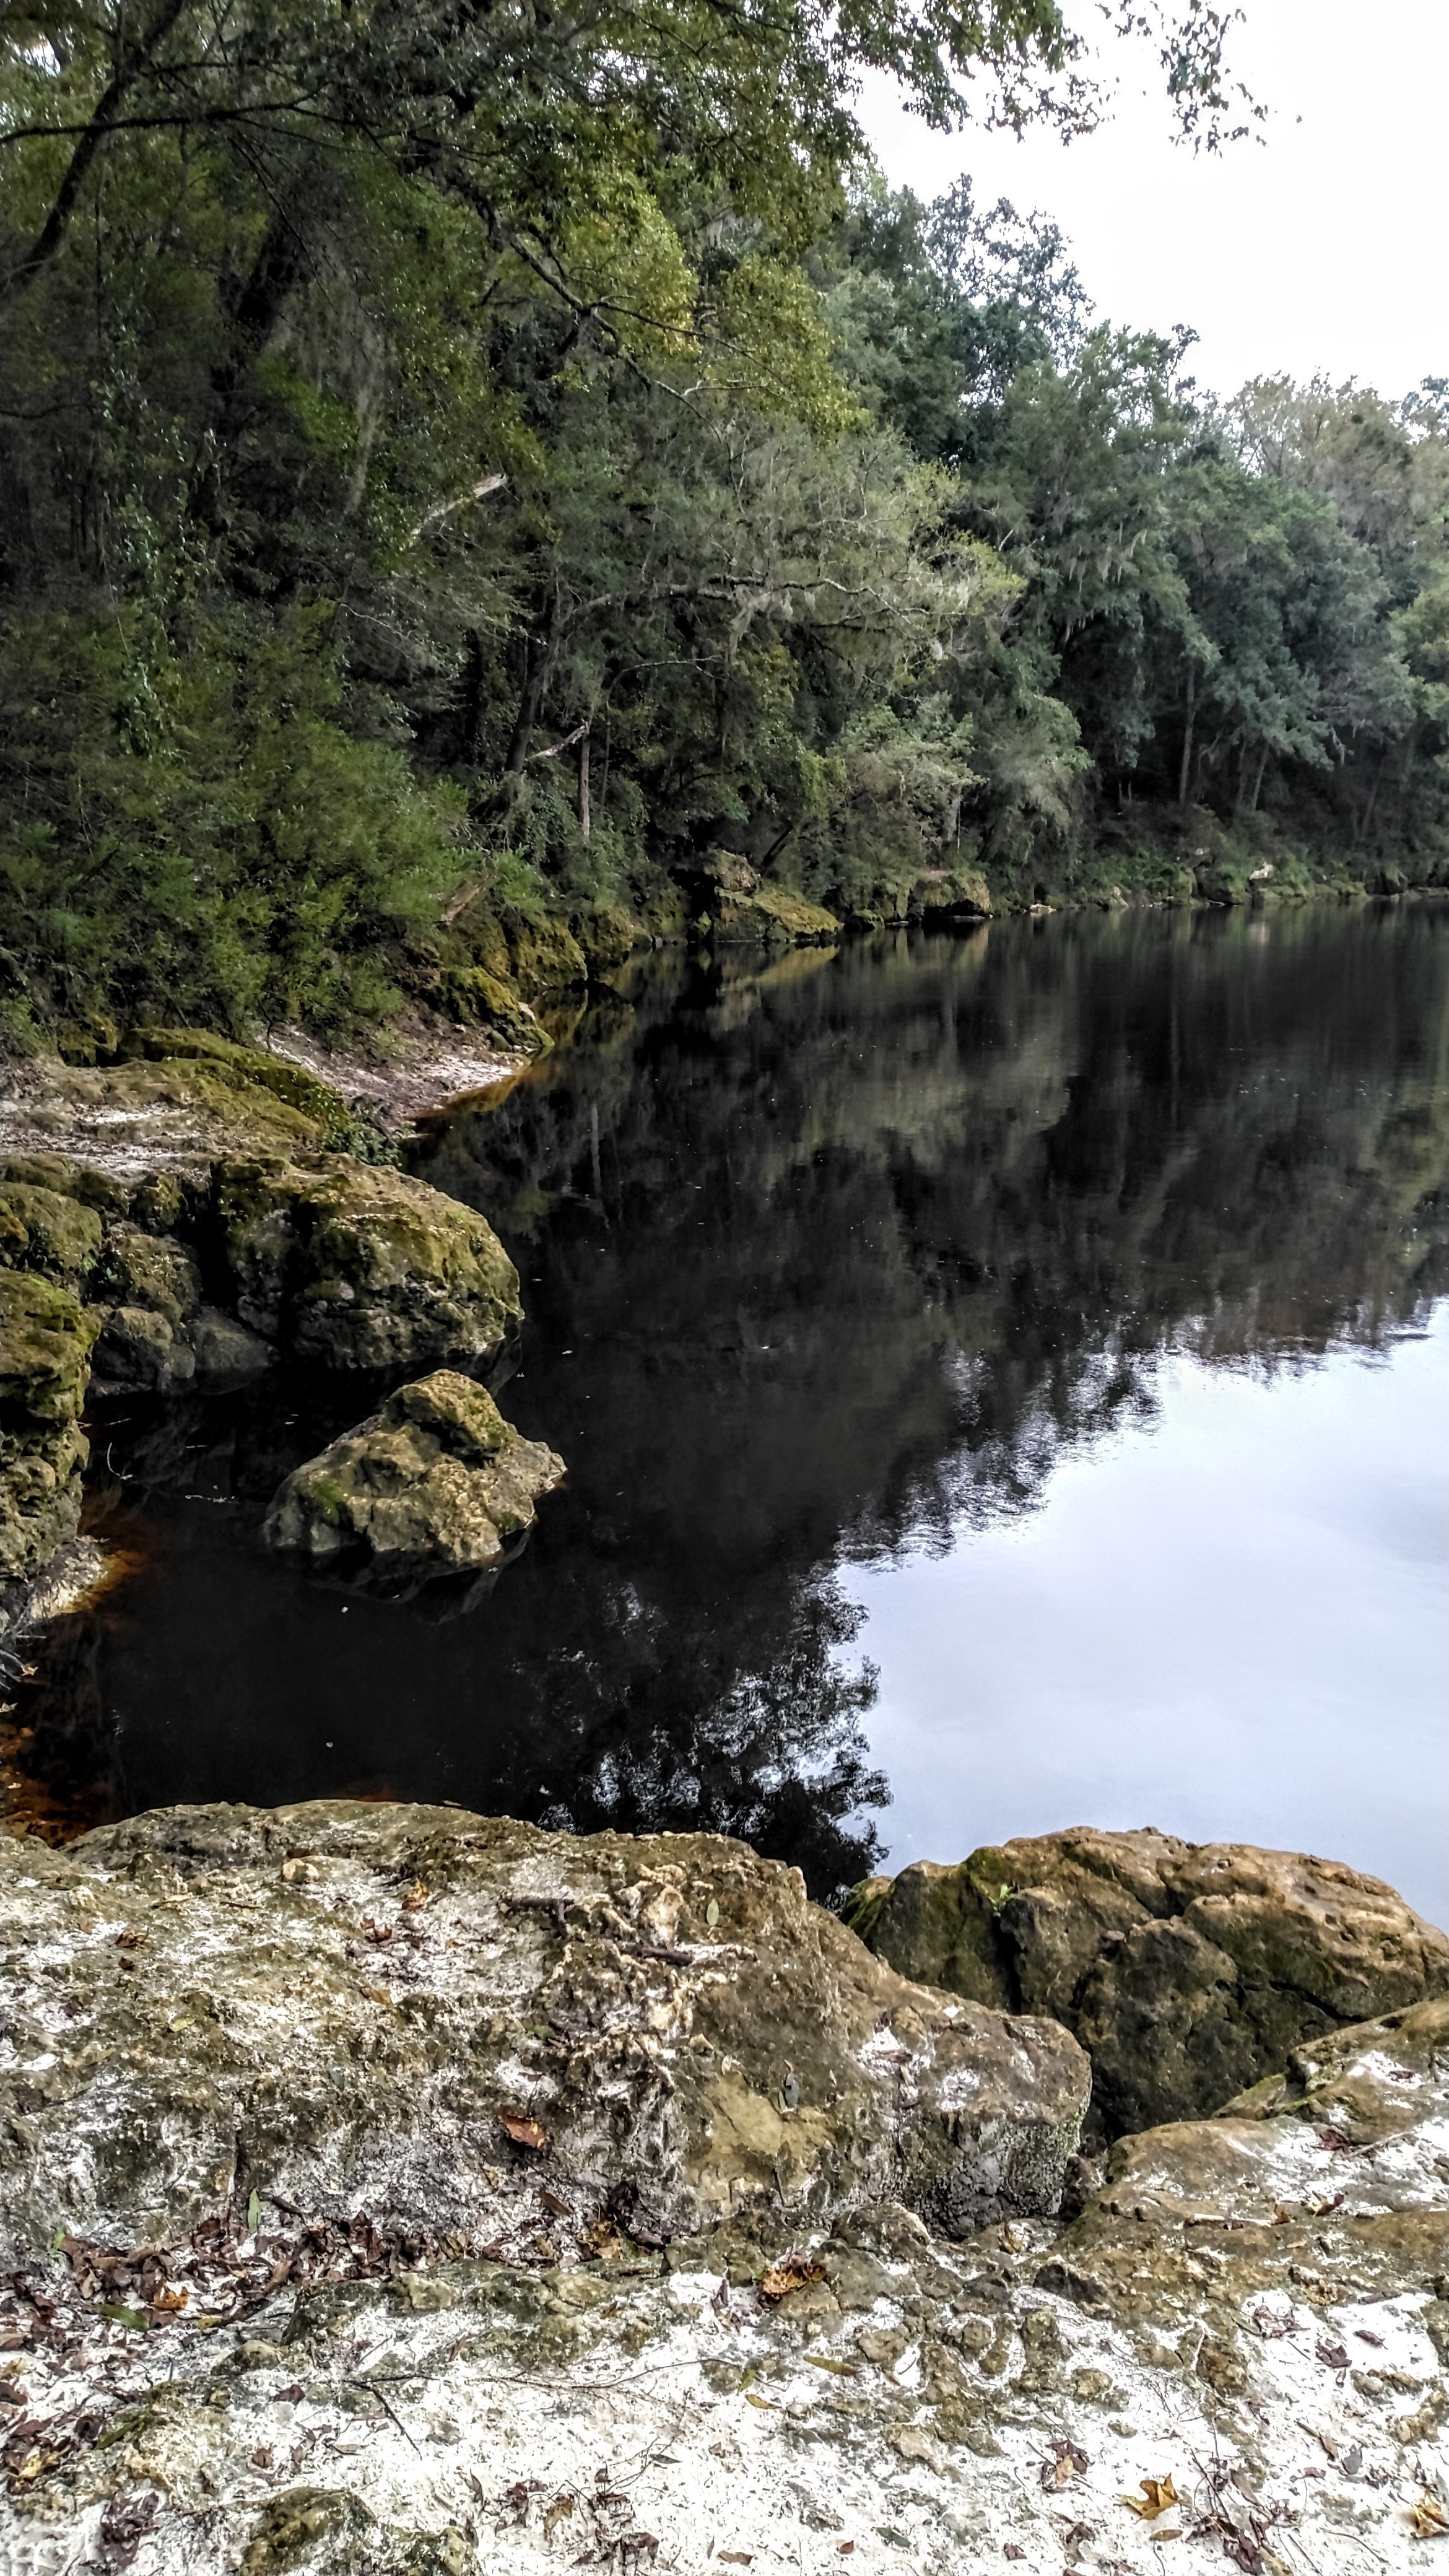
{"x":462,"y":468}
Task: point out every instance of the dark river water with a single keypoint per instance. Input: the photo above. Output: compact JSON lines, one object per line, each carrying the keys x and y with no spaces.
{"x":1002,"y":1387}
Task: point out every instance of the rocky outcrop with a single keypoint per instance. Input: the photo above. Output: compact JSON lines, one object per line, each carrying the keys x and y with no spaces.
{"x":45,"y":1347}
{"x":1186,"y":1970}
{"x":154,"y":1284}
{"x":669,"y":2015}
{"x":359,"y":1267}
{"x":437,"y":1483}
{"x":395,"y":2189}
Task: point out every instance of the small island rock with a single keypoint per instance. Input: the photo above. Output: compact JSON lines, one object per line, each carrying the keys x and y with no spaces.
{"x":436,"y":1483}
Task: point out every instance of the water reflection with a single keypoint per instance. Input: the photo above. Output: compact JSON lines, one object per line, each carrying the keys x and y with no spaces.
{"x":819,"y":1262}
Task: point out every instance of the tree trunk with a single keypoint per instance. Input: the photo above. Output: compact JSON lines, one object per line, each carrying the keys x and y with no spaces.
{"x":1258,"y":780}
{"x":584,"y":819}
{"x":1184,"y":777}
{"x":536,"y":675}
{"x":131,"y":61}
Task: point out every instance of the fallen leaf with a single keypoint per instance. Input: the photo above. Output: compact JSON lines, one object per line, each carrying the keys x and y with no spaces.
{"x":1011,"y":2551}
{"x":795,"y":2273}
{"x":1158,"y":2495}
{"x":559,"y":2511}
{"x":523,"y":2131}
{"x":415,"y":1895}
{"x":711,"y":1916}
{"x":845,"y":2548}
{"x":737,"y":2558}
{"x":763,"y":2404}
{"x":1428,"y":2519}
{"x":842,"y":2369}
{"x":254,"y":2213}
{"x":1332,"y":2356}
{"x":1365,"y":2334}
{"x":556,"y":2208}
{"x":1273,"y":2322}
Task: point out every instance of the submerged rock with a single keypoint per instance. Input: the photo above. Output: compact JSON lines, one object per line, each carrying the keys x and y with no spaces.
{"x":358,"y":1266}
{"x":436,"y":1483}
{"x":1186,"y":1970}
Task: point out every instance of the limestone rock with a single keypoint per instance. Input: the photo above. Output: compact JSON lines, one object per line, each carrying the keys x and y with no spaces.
{"x":46,"y":1231}
{"x":358,"y":1266}
{"x":45,"y":1346}
{"x":773,"y":917}
{"x":345,"y":2005}
{"x":155,"y":1283}
{"x":436,"y":1483}
{"x":1188,"y":1971}
{"x":1326,"y":2185}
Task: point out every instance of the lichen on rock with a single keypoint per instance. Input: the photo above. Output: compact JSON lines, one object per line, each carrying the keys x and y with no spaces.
{"x":1188,"y":1971}
{"x":358,"y":1266}
{"x":436,"y":1483}
{"x":45,"y":1347}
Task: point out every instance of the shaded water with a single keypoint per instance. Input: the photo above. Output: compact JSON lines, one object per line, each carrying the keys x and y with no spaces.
{"x":851,"y":1284}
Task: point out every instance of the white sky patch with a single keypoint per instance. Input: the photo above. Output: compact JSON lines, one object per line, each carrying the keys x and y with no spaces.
{"x":1315,"y":250}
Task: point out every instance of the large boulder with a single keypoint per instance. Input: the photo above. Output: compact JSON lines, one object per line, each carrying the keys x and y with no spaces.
{"x":45,"y":1346}
{"x":437,"y":1483}
{"x":354,"y":2007}
{"x":1186,"y":1970}
{"x":357,"y":1266}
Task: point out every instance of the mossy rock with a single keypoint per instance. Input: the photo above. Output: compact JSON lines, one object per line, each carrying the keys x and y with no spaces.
{"x":291,"y":1083}
{"x":45,"y":1347}
{"x":43,"y":1231}
{"x":482,"y":1000}
{"x":772,"y":917}
{"x":359,"y":1266}
{"x":607,"y":935}
{"x":80,"y":1181}
{"x":437,"y":1483}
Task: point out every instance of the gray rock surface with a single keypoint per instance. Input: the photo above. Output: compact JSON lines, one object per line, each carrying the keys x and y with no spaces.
{"x":1238,"y":2343}
{"x":341,"y":2004}
{"x":1186,"y":1970}
{"x":437,"y":1483}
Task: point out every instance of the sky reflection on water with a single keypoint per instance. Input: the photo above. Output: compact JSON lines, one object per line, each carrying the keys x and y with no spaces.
{"x":1230,"y":1621}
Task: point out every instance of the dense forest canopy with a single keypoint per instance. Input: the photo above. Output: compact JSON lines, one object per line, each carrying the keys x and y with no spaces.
{"x":459,"y":461}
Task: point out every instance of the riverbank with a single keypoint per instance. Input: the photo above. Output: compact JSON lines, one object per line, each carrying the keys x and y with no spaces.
{"x":621,"y":2203}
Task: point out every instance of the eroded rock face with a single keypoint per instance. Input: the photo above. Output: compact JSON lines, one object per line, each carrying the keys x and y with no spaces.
{"x":1187,"y":1970}
{"x":342,"y":2004}
{"x":359,"y":1267}
{"x":437,"y":1483}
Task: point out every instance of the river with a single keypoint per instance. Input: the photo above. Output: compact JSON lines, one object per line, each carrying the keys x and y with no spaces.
{"x":1003,"y":1377}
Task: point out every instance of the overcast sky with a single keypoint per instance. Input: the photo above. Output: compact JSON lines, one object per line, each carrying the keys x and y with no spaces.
{"x":1321,"y":248}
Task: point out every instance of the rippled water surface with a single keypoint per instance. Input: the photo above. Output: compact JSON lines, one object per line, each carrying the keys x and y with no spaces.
{"x":1002,"y":1386}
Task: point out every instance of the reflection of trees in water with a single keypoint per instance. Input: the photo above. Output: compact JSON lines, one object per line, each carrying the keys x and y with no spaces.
{"x":816,"y":1262}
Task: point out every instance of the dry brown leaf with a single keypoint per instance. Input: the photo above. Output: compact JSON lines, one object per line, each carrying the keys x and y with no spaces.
{"x":1158,"y":2495}
{"x":523,"y":2131}
{"x":795,"y":2273}
{"x":1428,"y":2519}
{"x":415,"y":1895}
{"x":737,"y":2557}
{"x":1332,"y":2356}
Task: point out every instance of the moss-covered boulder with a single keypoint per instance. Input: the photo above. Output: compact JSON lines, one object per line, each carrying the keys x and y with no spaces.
{"x":358,"y":1266}
{"x":771,"y":917}
{"x":1188,"y":1971}
{"x":43,"y":1230}
{"x":480,"y":1000}
{"x":45,"y":1346}
{"x":437,"y":1483}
